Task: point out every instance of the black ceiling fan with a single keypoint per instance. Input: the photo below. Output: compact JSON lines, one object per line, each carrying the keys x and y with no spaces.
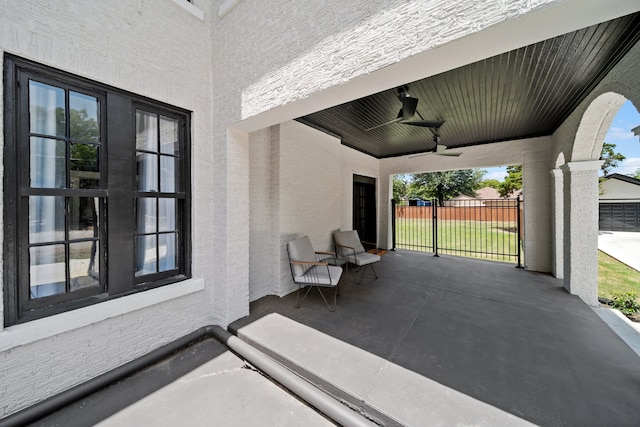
{"x":439,"y":149}
{"x":407,"y":111}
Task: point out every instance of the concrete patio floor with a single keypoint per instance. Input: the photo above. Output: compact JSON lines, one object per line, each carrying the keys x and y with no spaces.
{"x":433,"y":341}
{"x":443,"y":341}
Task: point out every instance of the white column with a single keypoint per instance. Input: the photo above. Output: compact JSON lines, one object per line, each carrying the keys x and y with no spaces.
{"x":581,"y":229}
{"x":557,"y":226}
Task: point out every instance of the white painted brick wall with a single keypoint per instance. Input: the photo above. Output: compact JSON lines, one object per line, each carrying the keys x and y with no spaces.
{"x":309,"y":191}
{"x":301,"y":184}
{"x":155,"y":49}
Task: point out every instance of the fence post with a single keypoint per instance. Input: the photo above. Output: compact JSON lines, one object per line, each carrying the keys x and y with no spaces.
{"x":518,"y":237}
{"x":393,"y":224}
{"x":434,"y":225}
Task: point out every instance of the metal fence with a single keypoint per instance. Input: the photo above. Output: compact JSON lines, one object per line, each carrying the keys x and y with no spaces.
{"x":488,"y":229}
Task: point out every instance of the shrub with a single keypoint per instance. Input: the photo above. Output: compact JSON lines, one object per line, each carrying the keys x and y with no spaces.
{"x":626,"y":302}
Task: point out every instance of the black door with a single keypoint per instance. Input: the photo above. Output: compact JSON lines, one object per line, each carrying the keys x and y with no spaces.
{"x":364,"y":207}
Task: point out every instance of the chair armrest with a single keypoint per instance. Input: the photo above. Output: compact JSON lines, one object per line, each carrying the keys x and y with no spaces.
{"x":326,"y":253}
{"x":369,"y":243}
{"x":309,"y":263}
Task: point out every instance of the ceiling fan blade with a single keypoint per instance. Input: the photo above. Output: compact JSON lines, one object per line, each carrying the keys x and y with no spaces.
{"x":396,"y":120}
{"x":442,"y":150}
{"x":435,"y":124}
{"x":419,"y":155}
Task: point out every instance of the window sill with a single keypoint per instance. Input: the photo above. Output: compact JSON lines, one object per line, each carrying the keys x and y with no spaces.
{"x":189,"y":7}
{"x":26,"y":333}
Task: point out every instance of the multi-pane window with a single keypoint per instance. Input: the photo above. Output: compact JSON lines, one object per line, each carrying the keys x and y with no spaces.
{"x":158,"y":191}
{"x":96,"y":192}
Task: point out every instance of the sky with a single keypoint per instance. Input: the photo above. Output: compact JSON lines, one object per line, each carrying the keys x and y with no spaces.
{"x":619,"y":134}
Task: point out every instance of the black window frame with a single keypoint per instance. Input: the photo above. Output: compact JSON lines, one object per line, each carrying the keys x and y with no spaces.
{"x":117,"y":192}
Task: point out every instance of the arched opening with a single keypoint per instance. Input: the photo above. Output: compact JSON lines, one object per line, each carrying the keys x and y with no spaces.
{"x":619,"y":208}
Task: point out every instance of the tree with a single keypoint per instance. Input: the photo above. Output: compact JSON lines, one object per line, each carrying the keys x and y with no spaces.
{"x":400,"y":186}
{"x":493,"y":183}
{"x":446,"y":185}
{"x":512,"y":182}
{"x":610,"y":157}
{"x":637,"y":174}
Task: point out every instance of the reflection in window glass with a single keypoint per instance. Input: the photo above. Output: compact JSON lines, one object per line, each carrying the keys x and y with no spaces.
{"x":168,"y":174}
{"x":85,"y":166}
{"x":166,"y":214}
{"x":84,"y":113}
{"x":46,"y":271}
{"x":146,"y":215}
{"x":168,"y":136}
{"x":146,"y":131}
{"x":46,"y":109}
{"x":84,"y":268}
{"x":47,"y":163}
{"x":146,"y":255}
{"x":83,"y":217}
{"x":46,"y":219}
{"x":147,"y":171}
{"x":167,"y":251}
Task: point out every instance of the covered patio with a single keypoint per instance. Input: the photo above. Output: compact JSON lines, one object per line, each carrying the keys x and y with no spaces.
{"x":442,"y":341}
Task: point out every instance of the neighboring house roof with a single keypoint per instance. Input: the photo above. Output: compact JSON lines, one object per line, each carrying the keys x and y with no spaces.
{"x":487,"y":193}
{"x":620,"y":187}
{"x":625,"y":178}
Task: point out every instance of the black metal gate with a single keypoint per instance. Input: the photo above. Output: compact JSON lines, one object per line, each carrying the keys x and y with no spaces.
{"x":487,"y":229}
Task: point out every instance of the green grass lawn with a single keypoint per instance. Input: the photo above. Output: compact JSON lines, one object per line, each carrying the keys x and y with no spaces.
{"x":616,"y":277}
{"x":475,"y":239}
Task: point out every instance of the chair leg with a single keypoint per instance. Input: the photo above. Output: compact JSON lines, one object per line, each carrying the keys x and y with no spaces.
{"x":298,"y":300}
{"x":364,"y":269}
{"x":327,"y":302}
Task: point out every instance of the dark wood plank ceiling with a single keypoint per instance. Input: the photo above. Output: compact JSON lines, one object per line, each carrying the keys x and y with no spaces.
{"x":524,"y":93}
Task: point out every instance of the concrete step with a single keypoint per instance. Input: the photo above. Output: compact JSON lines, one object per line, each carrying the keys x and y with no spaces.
{"x":381,"y":390}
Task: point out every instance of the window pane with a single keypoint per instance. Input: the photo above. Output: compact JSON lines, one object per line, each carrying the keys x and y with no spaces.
{"x":46,"y":271}
{"x":83,"y":217}
{"x":46,"y":109}
{"x":46,"y":219}
{"x":146,"y":131}
{"x":146,"y":255}
{"x":47,"y":164}
{"x":147,"y":172}
{"x":84,"y":267}
{"x":169,"y":174}
{"x":85,"y":166}
{"x":167,"y":251}
{"x":84,"y":113}
{"x":167,"y":214}
{"x":146,"y":215}
{"x":168,"y":136}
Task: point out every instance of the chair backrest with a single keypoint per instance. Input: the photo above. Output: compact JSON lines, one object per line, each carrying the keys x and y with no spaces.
{"x":300,"y":249}
{"x":349,"y":238}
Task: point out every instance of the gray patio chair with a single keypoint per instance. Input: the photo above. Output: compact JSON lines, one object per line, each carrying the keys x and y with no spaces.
{"x":349,"y":247}
{"x":308,"y":272}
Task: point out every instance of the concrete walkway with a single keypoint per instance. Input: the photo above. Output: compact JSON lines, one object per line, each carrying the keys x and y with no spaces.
{"x":453,"y":341}
{"x":623,"y":246}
